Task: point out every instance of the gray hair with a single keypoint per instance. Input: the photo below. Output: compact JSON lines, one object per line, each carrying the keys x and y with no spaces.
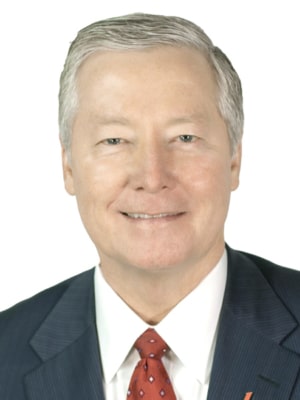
{"x":140,"y":31}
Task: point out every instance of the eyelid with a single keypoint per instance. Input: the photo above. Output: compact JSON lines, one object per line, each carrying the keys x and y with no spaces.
{"x":112,"y":141}
{"x":191,"y":136}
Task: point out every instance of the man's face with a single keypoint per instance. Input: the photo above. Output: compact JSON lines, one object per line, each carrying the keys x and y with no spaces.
{"x":150,"y":163}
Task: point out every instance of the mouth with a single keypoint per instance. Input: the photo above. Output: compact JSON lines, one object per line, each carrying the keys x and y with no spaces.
{"x":146,"y":216}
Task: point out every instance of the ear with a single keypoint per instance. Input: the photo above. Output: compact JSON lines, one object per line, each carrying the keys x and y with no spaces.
{"x":236,"y":167}
{"x":67,"y":171}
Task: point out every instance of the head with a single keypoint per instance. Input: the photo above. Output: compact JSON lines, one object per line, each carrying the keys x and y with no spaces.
{"x":151,"y":123}
{"x":142,"y":31}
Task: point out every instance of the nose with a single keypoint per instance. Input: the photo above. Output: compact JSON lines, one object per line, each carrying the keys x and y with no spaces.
{"x":152,"y":169}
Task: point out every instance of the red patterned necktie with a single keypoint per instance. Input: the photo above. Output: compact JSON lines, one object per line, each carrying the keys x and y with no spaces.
{"x":150,"y":380}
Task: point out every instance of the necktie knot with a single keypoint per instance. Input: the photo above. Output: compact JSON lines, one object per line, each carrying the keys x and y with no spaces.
{"x":150,"y":380}
{"x":151,"y":345}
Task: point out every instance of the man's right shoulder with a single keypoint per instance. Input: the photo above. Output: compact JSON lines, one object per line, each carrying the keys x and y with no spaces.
{"x":32,"y":311}
{"x":20,"y":323}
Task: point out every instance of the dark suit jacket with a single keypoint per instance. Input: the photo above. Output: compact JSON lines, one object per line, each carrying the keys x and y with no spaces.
{"x":49,"y":348}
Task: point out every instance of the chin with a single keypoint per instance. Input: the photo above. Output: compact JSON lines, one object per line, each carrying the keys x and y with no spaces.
{"x":157,"y":263}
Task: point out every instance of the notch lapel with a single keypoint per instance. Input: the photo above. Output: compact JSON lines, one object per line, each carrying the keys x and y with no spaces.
{"x":67,"y":344}
{"x":250,"y":355}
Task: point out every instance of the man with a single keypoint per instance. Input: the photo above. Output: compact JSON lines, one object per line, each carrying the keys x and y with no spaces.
{"x":151,"y":124}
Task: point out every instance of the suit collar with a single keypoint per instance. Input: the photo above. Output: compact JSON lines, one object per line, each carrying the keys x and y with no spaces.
{"x":70,"y":317}
{"x":254,"y":324}
{"x":68,"y":346}
{"x":252,"y":300}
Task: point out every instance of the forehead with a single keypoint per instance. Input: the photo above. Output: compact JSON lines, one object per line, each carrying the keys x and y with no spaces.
{"x":155,"y":88}
{"x":164,"y":64}
{"x":157,"y":82}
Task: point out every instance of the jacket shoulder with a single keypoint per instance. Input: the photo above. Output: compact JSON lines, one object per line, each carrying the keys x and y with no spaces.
{"x":275,"y":273}
{"x":18,"y":325}
{"x":284,"y":281}
{"x":31,"y":312}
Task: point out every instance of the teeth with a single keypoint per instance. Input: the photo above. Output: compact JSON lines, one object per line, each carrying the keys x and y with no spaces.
{"x":148,"y":216}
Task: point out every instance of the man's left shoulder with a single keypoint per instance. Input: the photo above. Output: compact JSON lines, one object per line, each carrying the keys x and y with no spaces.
{"x":284,"y":281}
{"x":274,"y":272}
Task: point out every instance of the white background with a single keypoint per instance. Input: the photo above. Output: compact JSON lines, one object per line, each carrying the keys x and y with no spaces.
{"x":42,"y":240}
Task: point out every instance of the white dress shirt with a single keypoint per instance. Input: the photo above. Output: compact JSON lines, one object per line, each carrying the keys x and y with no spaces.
{"x":189,"y":330}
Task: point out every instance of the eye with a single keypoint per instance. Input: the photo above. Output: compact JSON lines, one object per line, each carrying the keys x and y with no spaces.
{"x":187,"y":138}
{"x":112,"y":141}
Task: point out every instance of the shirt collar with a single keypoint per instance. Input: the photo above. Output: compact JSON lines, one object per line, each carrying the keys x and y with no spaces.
{"x":195,"y":318}
{"x":190,"y":328}
{"x":117,"y":325}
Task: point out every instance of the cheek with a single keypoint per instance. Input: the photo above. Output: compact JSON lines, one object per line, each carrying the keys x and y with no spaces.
{"x":210,"y":189}
{"x":97,"y":186}
{"x":209,"y":175}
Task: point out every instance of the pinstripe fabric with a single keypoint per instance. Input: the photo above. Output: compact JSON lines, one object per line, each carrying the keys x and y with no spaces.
{"x":252,"y":353}
{"x":49,"y":347}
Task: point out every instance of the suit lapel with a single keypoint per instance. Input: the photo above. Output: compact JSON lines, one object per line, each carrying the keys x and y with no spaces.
{"x":250,"y":354}
{"x":67,"y":344}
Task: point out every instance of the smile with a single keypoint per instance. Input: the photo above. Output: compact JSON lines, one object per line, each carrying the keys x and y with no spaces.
{"x":150,"y":216}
